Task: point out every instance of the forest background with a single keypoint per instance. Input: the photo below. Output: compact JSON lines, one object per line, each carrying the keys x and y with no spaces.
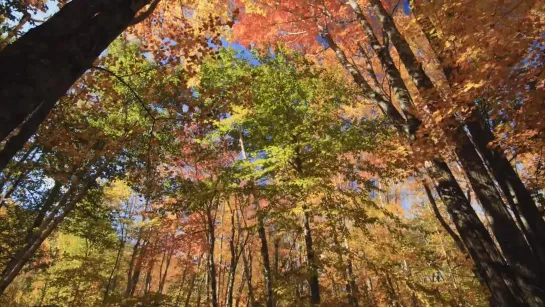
{"x":272,"y":153}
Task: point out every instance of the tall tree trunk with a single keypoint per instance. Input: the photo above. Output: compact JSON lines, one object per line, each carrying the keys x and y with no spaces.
{"x":60,"y":50}
{"x":134,"y":256}
{"x":312,"y":267}
{"x":267,"y":273}
{"x":276,"y":255}
{"x":475,"y":236}
{"x":181,"y":287}
{"x":148,"y":280}
{"x":528,"y":271}
{"x":116,"y":265}
{"x":28,"y":155}
{"x":211,"y":264}
{"x":135,"y":278}
{"x":188,"y":298}
{"x":443,"y":222}
{"x":248,"y":270}
{"x":480,"y":246}
{"x":233,"y":264}
{"x":164,"y":277}
{"x":352,"y":287}
{"x":195,"y":275}
{"x":240,"y":288}
{"x":518,"y":196}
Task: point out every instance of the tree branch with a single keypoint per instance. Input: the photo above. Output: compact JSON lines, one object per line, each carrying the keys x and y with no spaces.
{"x":138,"y":19}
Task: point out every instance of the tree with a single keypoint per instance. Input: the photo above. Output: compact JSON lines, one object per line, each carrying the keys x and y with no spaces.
{"x":65,"y":46}
{"x":330,"y":20}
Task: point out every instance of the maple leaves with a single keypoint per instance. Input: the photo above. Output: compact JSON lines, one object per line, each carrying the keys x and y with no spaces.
{"x":253,"y":156}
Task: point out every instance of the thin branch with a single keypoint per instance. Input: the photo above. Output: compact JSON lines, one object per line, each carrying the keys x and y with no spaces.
{"x":140,"y":100}
{"x":138,"y":19}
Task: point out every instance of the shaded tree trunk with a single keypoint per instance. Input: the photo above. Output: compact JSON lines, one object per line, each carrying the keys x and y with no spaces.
{"x":311,"y":266}
{"x":28,"y":155}
{"x":164,"y":277}
{"x":116,"y":265}
{"x":479,"y":244}
{"x":26,"y":131}
{"x":475,"y":236}
{"x":248,"y":270}
{"x":188,"y":298}
{"x":267,"y":273}
{"x":211,"y":264}
{"x":60,"y":50}
{"x":443,"y":222}
{"x":135,"y":251}
{"x":233,"y":263}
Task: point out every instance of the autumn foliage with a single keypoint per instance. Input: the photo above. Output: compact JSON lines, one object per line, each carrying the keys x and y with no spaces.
{"x":272,"y":153}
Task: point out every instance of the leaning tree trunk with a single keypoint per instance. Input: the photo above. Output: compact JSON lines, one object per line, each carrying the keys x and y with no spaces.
{"x":211,"y":264}
{"x":528,"y":271}
{"x":17,"y":141}
{"x":38,"y":68}
{"x":443,"y":222}
{"x":475,"y":236}
{"x":48,"y":224}
{"x":518,"y":196}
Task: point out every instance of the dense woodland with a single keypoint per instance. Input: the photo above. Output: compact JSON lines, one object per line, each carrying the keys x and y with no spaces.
{"x":272,"y":153}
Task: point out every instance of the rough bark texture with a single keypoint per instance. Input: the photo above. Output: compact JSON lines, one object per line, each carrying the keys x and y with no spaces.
{"x":528,"y":271}
{"x":520,"y":199}
{"x":478,"y":242}
{"x":40,"y":67}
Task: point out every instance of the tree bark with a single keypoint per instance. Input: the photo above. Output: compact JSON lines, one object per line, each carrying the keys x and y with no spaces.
{"x":28,"y":155}
{"x":188,"y":298}
{"x":164,"y":277}
{"x":443,"y":222}
{"x":475,"y":236}
{"x":267,"y":273}
{"x":311,"y":261}
{"x":488,"y":260}
{"x":116,"y":265}
{"x":41,"y":66}
{"x":248,"y":270}
{"x":135,"y":251}
{"x":518,"y":196}
{"x":26,"y":131}
{"x":528,"y":271}
{"x":211,"y":263}
{"x":233,"y":263}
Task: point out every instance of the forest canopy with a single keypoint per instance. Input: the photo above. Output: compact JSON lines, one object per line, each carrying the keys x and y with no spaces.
{"x":272,"y":153}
